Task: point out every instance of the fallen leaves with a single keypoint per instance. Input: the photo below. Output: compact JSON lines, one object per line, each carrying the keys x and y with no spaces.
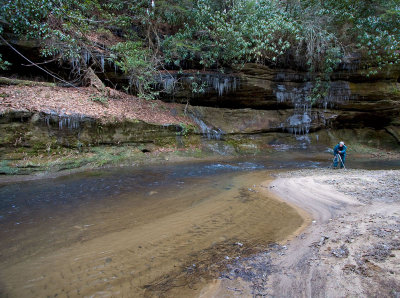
{"x":68,"y":101}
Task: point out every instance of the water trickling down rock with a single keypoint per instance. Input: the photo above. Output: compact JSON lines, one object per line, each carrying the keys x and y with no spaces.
{"x":207,"y":131}
{"x":300,"y":98}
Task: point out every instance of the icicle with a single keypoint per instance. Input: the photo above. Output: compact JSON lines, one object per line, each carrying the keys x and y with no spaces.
{"x":86,"y":57}
{"x":102,"y":62}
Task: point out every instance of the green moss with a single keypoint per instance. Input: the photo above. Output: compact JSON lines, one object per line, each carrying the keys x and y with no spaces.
{"x":234,"y":142}
{"x":6,"y":168}
{"x":8,"y":81}
{"x":195,"y":152}
{"x":39,"y":146}
{"x":186,"y":129}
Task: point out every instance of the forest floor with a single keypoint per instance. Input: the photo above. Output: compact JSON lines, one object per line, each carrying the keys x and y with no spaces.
{"x":350,"y":249}
{"x":110,"y":105}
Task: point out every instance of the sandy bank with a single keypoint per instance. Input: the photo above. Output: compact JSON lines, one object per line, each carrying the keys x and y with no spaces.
{"x":350,"y":249}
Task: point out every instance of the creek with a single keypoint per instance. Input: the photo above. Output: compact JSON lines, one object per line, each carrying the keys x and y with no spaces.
{"x":149,"y":231}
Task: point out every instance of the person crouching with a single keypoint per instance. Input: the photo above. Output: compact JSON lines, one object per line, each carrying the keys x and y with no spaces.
{"x":341,"y":150}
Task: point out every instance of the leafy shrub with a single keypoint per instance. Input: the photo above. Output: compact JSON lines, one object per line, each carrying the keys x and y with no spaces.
{"x":309,"y":35}
{"x":135,"y":61}
{"x":100,"y":99}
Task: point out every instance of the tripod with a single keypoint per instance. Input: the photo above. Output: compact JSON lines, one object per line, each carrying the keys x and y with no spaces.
{"x":339,"y":159}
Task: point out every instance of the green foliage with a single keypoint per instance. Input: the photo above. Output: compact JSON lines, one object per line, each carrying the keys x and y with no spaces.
{"x":28,"y":17}
{"x":174,"y":13}
{"x":100,"y":99}
{"x":369,"y":28}
{"x":135,"y":61}
{"x":198,"y":87}
{"x":260,"y":31}
{"x":46,"y":21}
{"x":4,"y":64}
{"x":185,"y":129}
{"x":311,"y":35}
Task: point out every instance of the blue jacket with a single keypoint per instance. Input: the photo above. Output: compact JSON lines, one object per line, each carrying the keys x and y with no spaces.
{"x":337,"y":149}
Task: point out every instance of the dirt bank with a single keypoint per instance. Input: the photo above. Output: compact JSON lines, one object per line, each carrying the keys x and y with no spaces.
{"x":350,"y":249}
{"x":88,"y":101}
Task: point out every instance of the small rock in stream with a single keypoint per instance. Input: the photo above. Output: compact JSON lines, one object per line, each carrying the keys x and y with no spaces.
{"x":322,"y":241}
{"x":341,"y":252}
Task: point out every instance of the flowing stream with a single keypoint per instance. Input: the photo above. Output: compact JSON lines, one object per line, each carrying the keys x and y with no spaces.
{"x":153,"y":231}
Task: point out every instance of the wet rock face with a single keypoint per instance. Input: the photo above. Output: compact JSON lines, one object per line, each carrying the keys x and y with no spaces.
{"x":250,"y":121}
{"x":260,"y":87}
{"x":250,"y":111}
{"x":260,"y":99}
{"x":45,"y":130}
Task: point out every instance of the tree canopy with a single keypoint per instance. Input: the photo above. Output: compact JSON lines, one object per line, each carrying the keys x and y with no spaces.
{"x":143,"y":36}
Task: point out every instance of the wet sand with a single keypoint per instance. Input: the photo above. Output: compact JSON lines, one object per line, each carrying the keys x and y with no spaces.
{"x":164,"y":242}
{"x":351,"y":248}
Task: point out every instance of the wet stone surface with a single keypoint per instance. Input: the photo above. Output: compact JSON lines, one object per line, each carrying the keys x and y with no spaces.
{"x":255,"y":269}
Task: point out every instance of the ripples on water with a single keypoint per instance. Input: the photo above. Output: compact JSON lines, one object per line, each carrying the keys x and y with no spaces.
{"x":126,"y":224}
{"x":68,"y":191}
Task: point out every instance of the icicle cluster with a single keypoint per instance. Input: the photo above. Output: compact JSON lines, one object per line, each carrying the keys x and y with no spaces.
{"x":300,"y":122}
{"x":221,"y":84}
{"x":64,"y":121}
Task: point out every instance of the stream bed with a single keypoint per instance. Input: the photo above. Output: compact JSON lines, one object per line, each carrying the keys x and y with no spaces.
{"x":151,"y":231}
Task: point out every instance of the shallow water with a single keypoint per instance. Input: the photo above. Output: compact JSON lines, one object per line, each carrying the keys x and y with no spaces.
{"x":371,"y":164}
{"x":161,"y":230}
